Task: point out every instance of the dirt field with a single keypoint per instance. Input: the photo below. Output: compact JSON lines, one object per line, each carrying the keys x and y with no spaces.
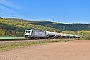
{"x":72,"y":50}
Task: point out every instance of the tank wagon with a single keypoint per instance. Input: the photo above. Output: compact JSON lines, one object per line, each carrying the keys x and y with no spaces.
{"x":50,"y":34}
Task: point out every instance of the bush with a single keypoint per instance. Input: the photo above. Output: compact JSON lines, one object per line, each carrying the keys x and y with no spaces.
{"x":87,"y":36}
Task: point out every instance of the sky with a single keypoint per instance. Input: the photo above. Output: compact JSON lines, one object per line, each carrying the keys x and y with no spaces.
{"x":62,"y":11}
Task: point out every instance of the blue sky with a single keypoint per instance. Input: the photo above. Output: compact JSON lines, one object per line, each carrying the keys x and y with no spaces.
{"x":63,"y":11}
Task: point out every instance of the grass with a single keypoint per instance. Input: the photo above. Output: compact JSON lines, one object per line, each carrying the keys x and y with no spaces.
{"x":10,"y":37}
{"x":5,"y":47}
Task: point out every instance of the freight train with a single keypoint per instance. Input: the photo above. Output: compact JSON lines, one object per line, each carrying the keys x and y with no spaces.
{"x":39,"y":34}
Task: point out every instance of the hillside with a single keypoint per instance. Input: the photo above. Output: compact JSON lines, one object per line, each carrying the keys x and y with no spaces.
{"x":16,"y":27}
{"x":61,"y":26}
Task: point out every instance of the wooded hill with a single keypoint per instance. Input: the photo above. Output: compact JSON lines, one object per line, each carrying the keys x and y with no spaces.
{"x":16,"y":27}
{"x":61,"y":26}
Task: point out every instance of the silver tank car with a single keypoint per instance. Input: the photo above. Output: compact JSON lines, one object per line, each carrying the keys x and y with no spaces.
{"x":50,"y":34}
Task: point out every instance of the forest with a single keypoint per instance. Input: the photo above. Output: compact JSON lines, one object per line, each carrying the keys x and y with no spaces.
{"x":62,"y":26}
{"x":16,"y":27}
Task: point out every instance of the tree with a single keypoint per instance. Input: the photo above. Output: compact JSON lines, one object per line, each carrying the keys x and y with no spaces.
{"x":2,"y":32}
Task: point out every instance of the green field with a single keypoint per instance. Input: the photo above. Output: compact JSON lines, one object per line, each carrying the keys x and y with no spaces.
{"x":10,"y":37}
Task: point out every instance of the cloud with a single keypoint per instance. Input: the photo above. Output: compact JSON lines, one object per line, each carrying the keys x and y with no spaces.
{"x":9,"y":4}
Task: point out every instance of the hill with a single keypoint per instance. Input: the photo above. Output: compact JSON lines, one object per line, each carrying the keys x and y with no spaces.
{"x":61,"y":26}
{"x":16,"y":27}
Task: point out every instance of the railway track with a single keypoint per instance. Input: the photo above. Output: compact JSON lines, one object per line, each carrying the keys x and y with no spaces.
{"x":8,"y":41}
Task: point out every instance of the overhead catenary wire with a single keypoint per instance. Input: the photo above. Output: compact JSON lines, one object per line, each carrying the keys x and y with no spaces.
{"x":5,"y":12}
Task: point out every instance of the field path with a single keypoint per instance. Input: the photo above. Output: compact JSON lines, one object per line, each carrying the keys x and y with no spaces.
{"x":72,"y":50}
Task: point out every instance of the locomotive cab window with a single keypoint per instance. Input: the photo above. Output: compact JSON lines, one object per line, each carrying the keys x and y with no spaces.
{"x":27,"y":31}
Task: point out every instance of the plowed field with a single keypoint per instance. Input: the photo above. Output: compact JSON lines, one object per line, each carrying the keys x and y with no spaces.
{"x":72,"y":50}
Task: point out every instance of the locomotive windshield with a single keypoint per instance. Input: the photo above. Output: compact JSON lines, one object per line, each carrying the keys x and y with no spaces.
{"x":28,"y":31}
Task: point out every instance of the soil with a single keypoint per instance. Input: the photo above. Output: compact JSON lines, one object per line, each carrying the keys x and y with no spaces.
{"x":72,"y":50}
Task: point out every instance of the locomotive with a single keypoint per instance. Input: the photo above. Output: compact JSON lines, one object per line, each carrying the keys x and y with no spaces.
{"x":32,"y":34}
